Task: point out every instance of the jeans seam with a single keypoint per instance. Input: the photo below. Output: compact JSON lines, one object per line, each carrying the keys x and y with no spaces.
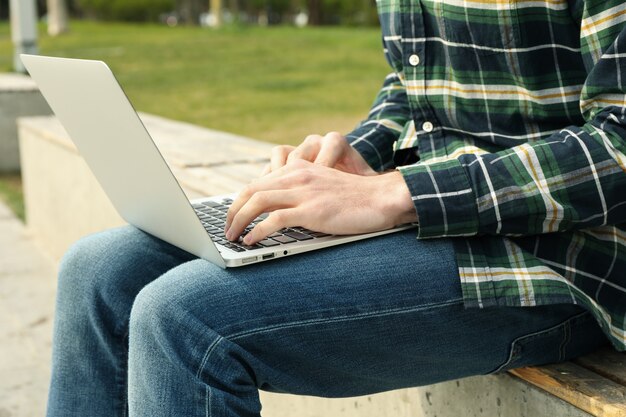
{"x":212,"y":347}
{"x":205,"y":359}
{"x":207,"y":401}
{"x":123,"y":370}
{"x":302,"y":323}
{"x":206,"y":356}
{"x":512,"y":351}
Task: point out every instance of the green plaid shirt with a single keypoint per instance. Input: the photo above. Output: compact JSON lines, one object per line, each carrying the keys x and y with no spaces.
{"x":507,"y":119}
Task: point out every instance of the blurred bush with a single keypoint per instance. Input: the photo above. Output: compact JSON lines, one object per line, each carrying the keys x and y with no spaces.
{"x":354,"y":12}
{"x":319,"y":12}
{"x":129,"y":10}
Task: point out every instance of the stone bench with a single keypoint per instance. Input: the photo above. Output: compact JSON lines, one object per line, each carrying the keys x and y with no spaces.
{"x":205,"y":162}
{"x":19,"y":96}
{"x":64,"y":202}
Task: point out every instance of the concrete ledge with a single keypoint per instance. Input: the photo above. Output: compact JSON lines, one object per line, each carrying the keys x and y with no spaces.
{"x":481,"y":396}
{"x":19,"y":96}
{"x":65,"y":202}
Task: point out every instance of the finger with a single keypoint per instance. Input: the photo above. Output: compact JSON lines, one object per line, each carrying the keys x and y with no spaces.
{"x":261,"y":202}
{"x":307,"y":150}
{"x":279,"y":156}
{"x":241,"y":199}
{"x":260,"y":184}
{"x":276,"y":221}
{"x":266,"y":170}
{"x":280,"y":179}
{"x":333,"y":148}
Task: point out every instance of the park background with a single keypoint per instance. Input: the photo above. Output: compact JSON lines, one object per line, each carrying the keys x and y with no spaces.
{"x":268,"y":72}
{"x":273,"y":70}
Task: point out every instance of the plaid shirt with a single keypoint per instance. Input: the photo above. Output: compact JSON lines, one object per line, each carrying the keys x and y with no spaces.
{"x":507,"y":119}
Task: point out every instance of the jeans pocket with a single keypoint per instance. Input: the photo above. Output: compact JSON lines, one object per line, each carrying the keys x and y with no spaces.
{"x":577,"y":335}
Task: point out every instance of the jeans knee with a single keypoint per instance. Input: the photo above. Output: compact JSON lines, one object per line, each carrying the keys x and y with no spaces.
{"x":155,"y":317}
{"x":94,"y":275}
{"x":79,"y":270}
{"x":178,"y":304}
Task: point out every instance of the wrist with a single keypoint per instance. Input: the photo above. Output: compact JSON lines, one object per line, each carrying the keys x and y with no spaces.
{"x":398,"y":200}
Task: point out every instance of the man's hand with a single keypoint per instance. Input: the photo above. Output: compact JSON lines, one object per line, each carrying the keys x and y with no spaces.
{"x":320,"y":198}
{"x":331,"y":150}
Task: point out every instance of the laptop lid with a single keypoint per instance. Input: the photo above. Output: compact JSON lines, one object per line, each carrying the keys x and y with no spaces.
{"x":101,"y":121}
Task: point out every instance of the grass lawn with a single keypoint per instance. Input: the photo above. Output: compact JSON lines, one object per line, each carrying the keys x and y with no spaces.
{"x":276,"y":84}
{"x":11,"y":193}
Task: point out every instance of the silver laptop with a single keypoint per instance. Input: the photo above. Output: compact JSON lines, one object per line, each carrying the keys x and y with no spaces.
{"x":99,"y":118}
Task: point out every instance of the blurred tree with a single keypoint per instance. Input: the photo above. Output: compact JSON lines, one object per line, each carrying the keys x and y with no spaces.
{"x":57,"y":17}
{"x":315,"y":12}
{"x":216,"y":11}
{"x":267,"y":11}
{"x":190,"y":10}
{"x":233,"y":6}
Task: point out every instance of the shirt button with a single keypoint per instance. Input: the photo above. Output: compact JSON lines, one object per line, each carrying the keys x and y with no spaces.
{"x":428,"y":127}
{"x":414,"y":60}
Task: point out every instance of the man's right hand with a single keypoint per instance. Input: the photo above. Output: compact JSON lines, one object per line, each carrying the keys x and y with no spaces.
{"x":331,"y":150}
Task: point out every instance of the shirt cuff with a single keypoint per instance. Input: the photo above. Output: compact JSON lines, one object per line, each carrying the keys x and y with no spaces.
{"x":443,"y":199}
{"x":374,"y":145}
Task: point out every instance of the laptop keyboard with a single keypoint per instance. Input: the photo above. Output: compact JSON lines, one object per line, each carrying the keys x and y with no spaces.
{"x":212,"y":214}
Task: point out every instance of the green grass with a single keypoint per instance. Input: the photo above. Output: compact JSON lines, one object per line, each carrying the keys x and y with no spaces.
{"x":276,"y":84}
{"x":11,"y":193}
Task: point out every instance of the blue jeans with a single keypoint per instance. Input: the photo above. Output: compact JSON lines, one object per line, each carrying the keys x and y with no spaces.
{"x":145,"y":329}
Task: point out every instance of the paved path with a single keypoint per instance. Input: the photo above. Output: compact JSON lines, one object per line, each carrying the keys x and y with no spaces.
{"x":27,"y":287}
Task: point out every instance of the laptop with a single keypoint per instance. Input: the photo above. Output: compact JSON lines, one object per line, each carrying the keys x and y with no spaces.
{"x":100,"y":120}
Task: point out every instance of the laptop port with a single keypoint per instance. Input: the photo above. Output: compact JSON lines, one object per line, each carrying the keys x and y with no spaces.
{"x":268,"y":256}
{"x":249,"y":260}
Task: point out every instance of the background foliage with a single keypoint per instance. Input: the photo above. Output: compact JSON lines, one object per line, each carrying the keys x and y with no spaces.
{"x":129,"y":10}
{"x":321,"y":12}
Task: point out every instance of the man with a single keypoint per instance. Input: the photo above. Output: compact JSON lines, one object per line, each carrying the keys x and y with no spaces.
{"x":501,"y":131}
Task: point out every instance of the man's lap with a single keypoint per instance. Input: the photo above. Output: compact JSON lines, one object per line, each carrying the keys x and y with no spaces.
{"x":391,"y":272}
{"x":372,"y":315}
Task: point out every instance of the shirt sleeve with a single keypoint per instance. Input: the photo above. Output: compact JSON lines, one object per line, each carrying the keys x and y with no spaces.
{"x":574,"y":179}
{"x":374,"y":137}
